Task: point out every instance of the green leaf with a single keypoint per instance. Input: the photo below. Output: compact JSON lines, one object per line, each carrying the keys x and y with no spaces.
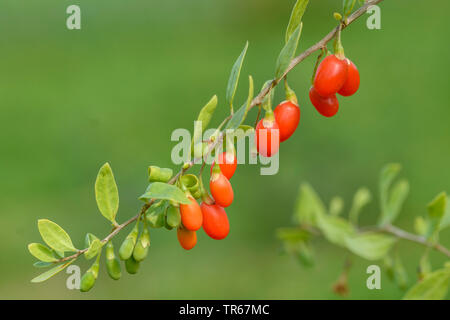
{"x":433,"y":287}
{"x":292,"y":234}
{"x":400,"y":275}
{"x":58,"y":254}
{"x":420,"y":226}
{"x":267,"y":100}
{"x":106,"y":193}
{"x":42,"y":264}
{"x":204,"y":117}
{"x":164,"y":191}
{"x":395,"y":202}
{"x":234,"y":76}
{"x":207,"y":112}
{"x":388,"y":174}
{"x":348,"y":6}
{"x":361,"y":198}
{"x":240,"y":115}
{"x":55,"y":236}
{"x":436,"y":211}
{"x":94,"y":248}
{"x":370,"y":245}
{"x":89,"y":238}
{"x":50,"y":273}
{"x":155,"y":215}
{"x":41,"y":252}
{"x":241,"y":132}
{"x":336,"y":206}
{"x":308,"y":206}
{"x":237,"y":118}
{"x":445,"y":222}
{"x":335,"y":229}
{"x":296,"y":17}
{"x":300,"y":250}
{"x":425,"y":267}
{"x":288,"y":52}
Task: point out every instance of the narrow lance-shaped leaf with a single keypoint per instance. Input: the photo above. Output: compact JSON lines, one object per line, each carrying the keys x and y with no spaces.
{"x":445,"y":222}
{"x":336,"y":206}
{"x":55,"y":236}
{"x":395,"y":202}
{"x":436,"y":211}
{"x":106,"y":193}
{"x":292,"y":234}
{"x":400,"y":274}
{"x":164,"y":191}
{"x":234,"y":76}
{"x":41,"y":252}
{"x":42,"y":264}
{"x":288,"y":52}
{"x":296,"y":17}
{"x":240,"y":115}
{"x":361,"y":198}
{"x":267,"y":100}
{"x":348,"y":6}
{"x":420,"y":226}
{"x":50,"y":273}
{"x":204,"y":118}
{"x":388,"y":174}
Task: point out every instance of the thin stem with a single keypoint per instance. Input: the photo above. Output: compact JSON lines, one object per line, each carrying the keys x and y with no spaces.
{"x":402,"y":234}
{"x":258,"y":115}
{"x":256,"y":101}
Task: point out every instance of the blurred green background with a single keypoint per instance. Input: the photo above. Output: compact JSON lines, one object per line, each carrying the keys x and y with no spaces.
{"x":114,"y":91}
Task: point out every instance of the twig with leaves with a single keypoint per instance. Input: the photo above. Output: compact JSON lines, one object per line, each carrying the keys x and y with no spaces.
{"x":373,"y":242}
{"x":167,"y":191}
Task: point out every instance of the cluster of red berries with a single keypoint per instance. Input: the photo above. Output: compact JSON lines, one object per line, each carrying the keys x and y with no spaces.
{"x":334,"y":75}
{"x":210,"y":214}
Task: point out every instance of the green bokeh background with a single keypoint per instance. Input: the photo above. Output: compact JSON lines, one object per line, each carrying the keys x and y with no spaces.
{"x":114,"y":91}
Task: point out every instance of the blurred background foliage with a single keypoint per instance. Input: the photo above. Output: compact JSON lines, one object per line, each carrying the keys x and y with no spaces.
{"x":114,"y":91}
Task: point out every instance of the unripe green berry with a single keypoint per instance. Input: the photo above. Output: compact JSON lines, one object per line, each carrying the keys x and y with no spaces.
{"x":127,"y":247}
{"x":112,"y":263}
{"x":143,"y":244}
{"x":173,"y":217}
{"x":87,"y":281}
{"x":132,"y":266}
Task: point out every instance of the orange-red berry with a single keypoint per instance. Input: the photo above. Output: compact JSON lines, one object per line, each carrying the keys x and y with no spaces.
{"x":227,"y":164}
{"x":186,"y":238}
{"x":191,"y":215}
{"x":221,"y":189}
{"x":330,"y":76}
{"x":287,"y":116}
{"x":215,"y":221}
{"x":267,"y":137}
